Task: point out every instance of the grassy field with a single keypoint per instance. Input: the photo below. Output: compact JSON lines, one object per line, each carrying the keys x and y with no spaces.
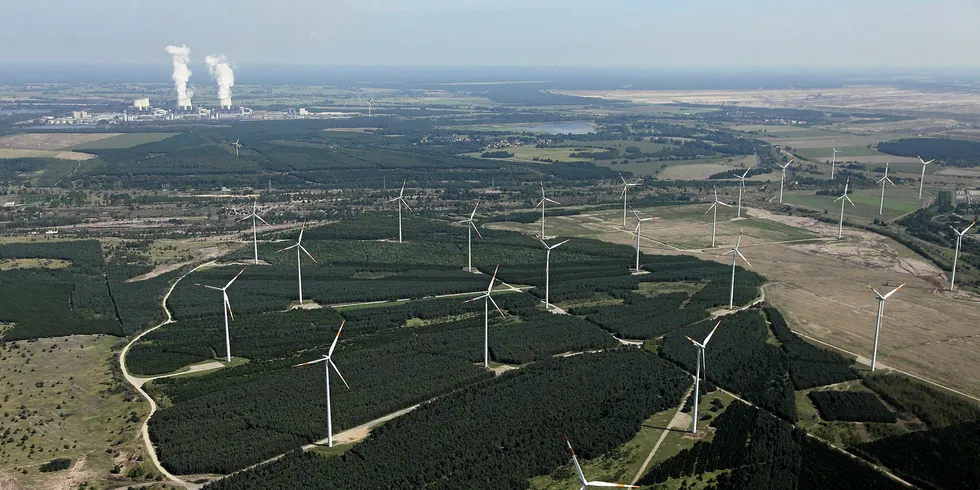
{"x":119,"y":141}
{"x":11,"y":264}
{"x":898,"y":201}
{"x":62,"y":402}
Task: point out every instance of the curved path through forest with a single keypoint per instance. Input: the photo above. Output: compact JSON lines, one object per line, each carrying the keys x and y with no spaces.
{"x":137,"y":383}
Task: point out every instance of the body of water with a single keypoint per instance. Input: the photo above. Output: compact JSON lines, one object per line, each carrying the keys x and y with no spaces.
{"x":573,"y":127}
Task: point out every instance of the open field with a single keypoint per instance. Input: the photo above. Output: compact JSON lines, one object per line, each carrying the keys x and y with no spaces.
{"x":11,"y":264}
{"x":119,"y":141}
{"x":62,"y":388}
{"x":898,"y":201}
{"x":821,"y":284}
{"x":859,"y":98}
{"x":6,"y":153}
{"x":51,"y":140}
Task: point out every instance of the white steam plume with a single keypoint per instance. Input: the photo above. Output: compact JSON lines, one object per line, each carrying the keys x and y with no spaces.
{"x":223,"y":74}
{"x":181,"y":57}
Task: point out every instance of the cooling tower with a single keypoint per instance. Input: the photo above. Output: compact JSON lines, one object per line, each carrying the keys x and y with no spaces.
{"x":224,"y":104}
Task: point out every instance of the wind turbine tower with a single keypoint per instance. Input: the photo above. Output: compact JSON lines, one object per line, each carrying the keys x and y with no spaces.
{"x":226,"y":306}
{"x":782,"y":178}
{"x":922,"y":178}
{"x":469,"y":237}
{"x":487,"y":299}
{"x":844,"y":196}
{"x":700,"y":346}
{"x":882,"y":181}
{"x":542,"y":204}
{"x":255,"y":216}
{"x":626,"y":187}
{"x":401,"y":200}
{"x":636,"y":233}
{"x":959,"y":240}
{"x":833,"y":163}
{"x":547,"y":270}
{"x":735,"y":254}
{"x":299,"y":260}
{"x":881,"y":310}
{"x":714,"y":221}
{"x":741,"y":187}
{"x":327,"y":364}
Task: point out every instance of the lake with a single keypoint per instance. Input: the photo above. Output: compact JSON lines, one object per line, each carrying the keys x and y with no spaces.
{"x":565,"y":127}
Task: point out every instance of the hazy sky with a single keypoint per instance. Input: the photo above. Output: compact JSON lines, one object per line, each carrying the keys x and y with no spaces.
{"x":628,"y":33}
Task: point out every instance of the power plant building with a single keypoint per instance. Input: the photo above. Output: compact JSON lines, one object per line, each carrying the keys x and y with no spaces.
{"x":142,"y":105}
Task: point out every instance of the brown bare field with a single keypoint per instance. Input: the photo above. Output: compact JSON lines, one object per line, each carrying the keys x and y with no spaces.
{"x":61,"y":155}
{"x":50,"y":141}
{"x":960,"y":172}
{"x":821,"y":284}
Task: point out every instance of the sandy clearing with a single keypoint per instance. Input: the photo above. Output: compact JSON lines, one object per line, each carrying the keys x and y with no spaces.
{"x":50,"y":140}
{"x":61,"y":155}
{"x":207,"y":254}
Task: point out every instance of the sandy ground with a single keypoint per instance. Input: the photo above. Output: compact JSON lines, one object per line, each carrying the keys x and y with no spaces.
{"x":50,"y":140}
{"x":61,"y":155}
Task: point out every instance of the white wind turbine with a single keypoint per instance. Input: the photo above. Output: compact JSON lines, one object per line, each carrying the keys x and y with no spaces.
{"x":959,"y":240}
{"x":626,"y":187}
{"x":226,"y":306}
{"x":299,"y":262}
{"x":370,"y":105}
{"x":741,"y":187}
{"x":782,"y":177}
{"x":882,"y":181}
{"x":255,"y":216}
{"x":844,"y":196}
{"x":469,"y":236}
{"x":328,"y":362}
{"x":238,"y":146}
{"x":714,"y":221}
{"x":700,"y":346}
{"x":542,"y":204}
{"x":401,"y":200}
{"x":922,"y":178}
{"x":581,"y":476}
{"x":487,"y":299}
{"x":881,"y":310}
{"x":833,"y":163}
{"x":636,"y":233}
{"x":735,"y":254}
{"x":547,"y":270}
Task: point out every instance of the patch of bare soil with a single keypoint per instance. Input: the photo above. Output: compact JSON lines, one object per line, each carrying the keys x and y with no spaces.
{"x":50,"y":140}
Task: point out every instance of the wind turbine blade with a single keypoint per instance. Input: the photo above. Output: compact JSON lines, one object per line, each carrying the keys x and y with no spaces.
{"x":474,"y":211}
{"x":552,"y":201}
{"x":262,"y":220}
{"x":559,"y":244}
{"x":695,"y":342}
{"x":243,"y":218}
{"x":228,"y":305}
{"x":233,"y":279}
{"x":724,"y":204}
{"x":307,"y":363}
{"x":711,"y":207}
{"x":406,"y":205}
{"x":849,"y":199}
{"x":302,"y":229}
{"x":743,"y":258}
{"x":288,"y":248}
{"x":307,"y":253}
{"x":538,"y":204}
{"x":739,"y":241}
{"x":495,"y":306}
{"x":402,"y":193}
{"x":876,"y":292}
{"x":336,"y":338}
{"x":622,"y":178}
{"x":708,"y":338}
{"x":209,"y":287}
{"x":393,"y":199}
{"x":839,"y":198}
{"x":494,"y":277}
{"x":930,"y":161}
{"x":476,"y":298}
{"x":578,"y":469}
{"x":725,"y":253}
{"x":968,"y":228}
{"x":334,"y":366}
{"x":746,"y":173}
{"x":606,"y":484}
{"x":634,"y":214}
{"x":893,"y":291}
{"x":477,"y":230}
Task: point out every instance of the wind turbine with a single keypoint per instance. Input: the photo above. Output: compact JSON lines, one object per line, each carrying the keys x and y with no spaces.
{"x":881,"y":310}
{"x":327,"y":363}
{"x":255,"y":216}
{"x":469,"y":236}
{"x":542,"y":203}
{"x":700,"y":346}
{"x":581,"y":476}
{"x":401,"y":200}
{"x":626,"y":186}
{"x":840,"y":226}
{"x":881,"y":205}
{"x":370,"y":104}
{"x":226,"y":305}
{"x":547,"y":270}
{"x":923,"y":177}
{"x":833,"y":163}
{"x":959,"y":239}
{"x":783,"y":177}
{"x":741,"y":187}
{"x":636,"y":233}
{"x":238,"y":146}
{"x":487,"y":299}
{"x":714,"y":221}
{"x":735,"y":254}
{"x":299,"y":263}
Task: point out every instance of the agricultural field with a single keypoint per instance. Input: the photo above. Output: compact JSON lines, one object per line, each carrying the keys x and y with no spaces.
{"x":74,"y":156}
{"x":118,"y":141}
{"x":62,"y":400}
{"x":899,"y":201}
{"x":52,"y":140}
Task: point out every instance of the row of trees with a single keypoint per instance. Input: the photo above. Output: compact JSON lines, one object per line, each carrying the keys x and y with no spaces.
{"x":851,"y":406}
